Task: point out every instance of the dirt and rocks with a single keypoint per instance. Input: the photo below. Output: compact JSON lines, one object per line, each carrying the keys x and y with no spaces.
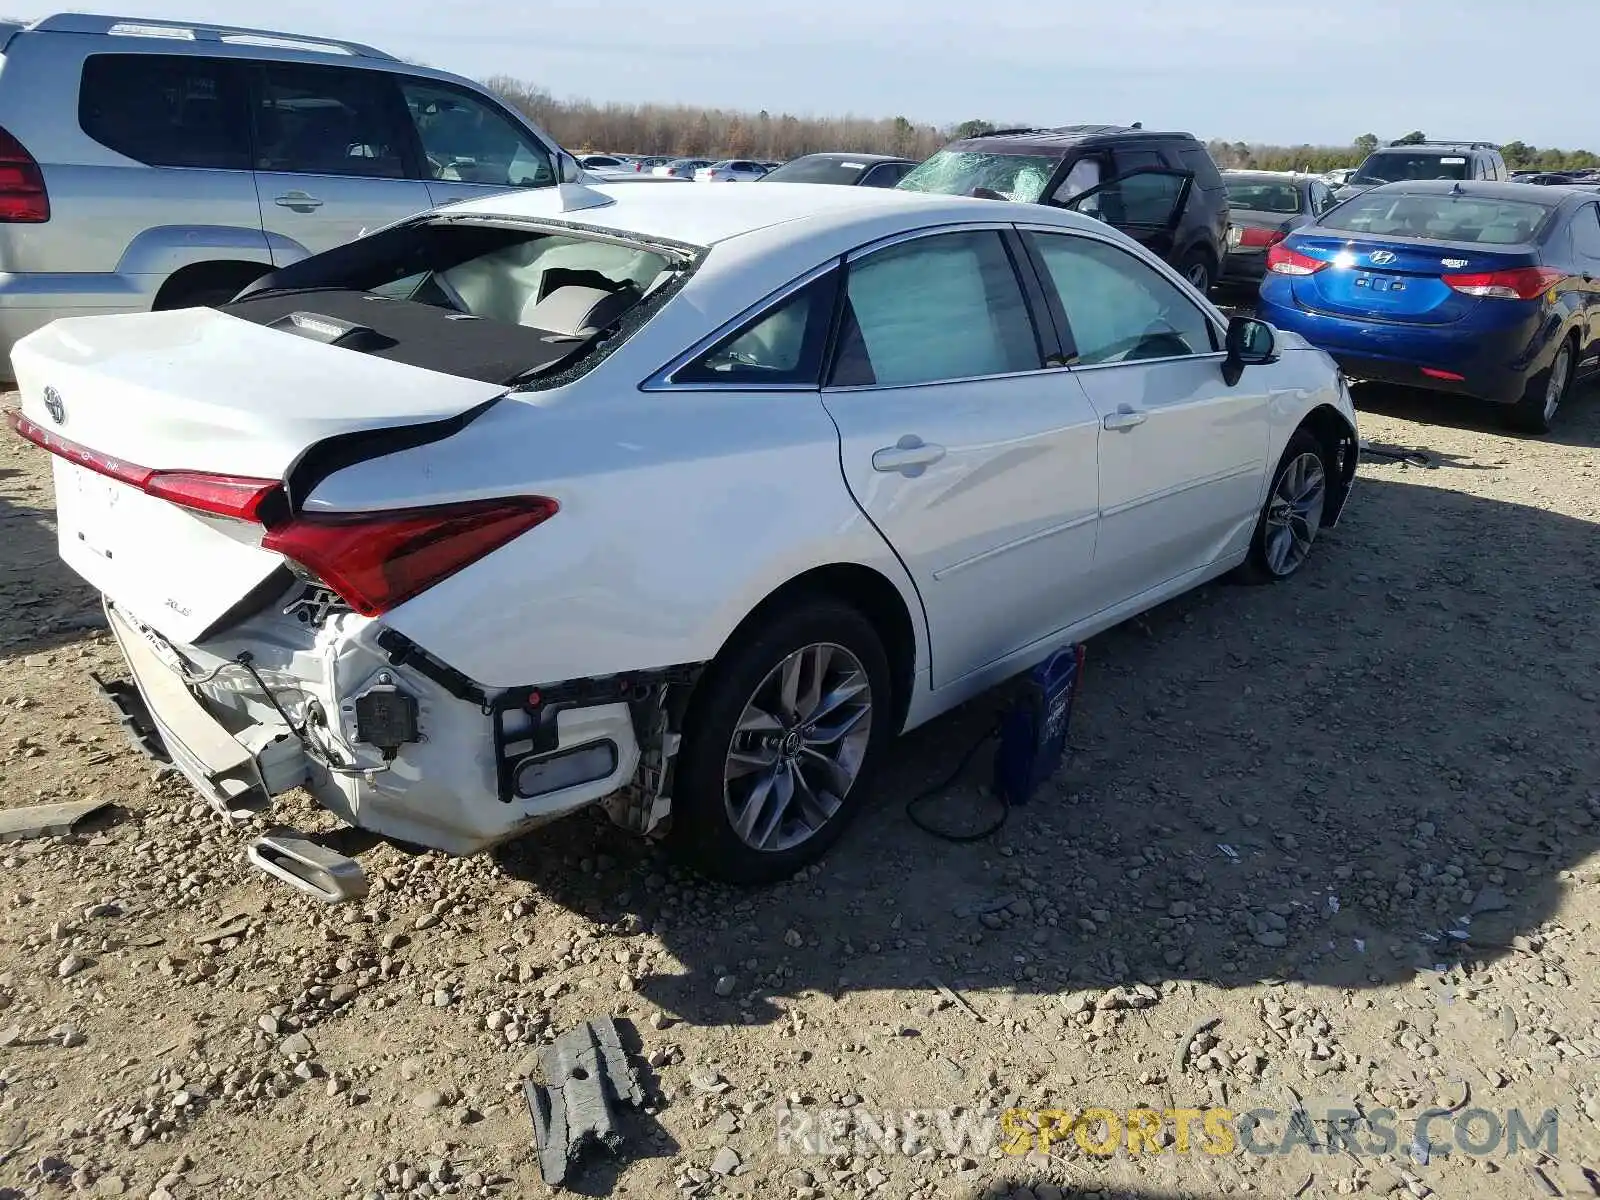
{"x":1325,"y":849}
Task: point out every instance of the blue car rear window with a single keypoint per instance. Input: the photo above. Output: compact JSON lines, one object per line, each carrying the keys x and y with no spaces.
{"x":1442,"y":218}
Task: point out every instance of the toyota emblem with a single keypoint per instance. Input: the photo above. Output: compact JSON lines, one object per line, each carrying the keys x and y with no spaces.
{"x":53,"y":406}
{"x":1382,"y":257}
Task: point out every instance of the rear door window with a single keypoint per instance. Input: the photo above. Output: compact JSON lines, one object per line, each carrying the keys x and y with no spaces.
{"x":166,"y":110}
{"x":328,"y":121}
{"x":784,"y":346}
{"x":1586,"y":232}
{"x":937,"y":308}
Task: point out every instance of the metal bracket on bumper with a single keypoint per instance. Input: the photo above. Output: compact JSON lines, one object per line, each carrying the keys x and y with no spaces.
{"x":304,"y":865}
{"x":224,"y":772}
{"x":134,"y":717}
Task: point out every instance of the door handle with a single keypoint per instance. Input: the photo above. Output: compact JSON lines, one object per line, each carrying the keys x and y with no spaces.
{"x":909,"y":456}
{"x":299,"y":201}
{"x":1124,"y":419}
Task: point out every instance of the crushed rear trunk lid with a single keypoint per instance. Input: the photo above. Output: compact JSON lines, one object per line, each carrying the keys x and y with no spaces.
{"x":196,"y":390}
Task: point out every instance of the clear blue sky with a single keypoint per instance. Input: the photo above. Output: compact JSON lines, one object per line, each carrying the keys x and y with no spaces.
{"x":1281,"y":71}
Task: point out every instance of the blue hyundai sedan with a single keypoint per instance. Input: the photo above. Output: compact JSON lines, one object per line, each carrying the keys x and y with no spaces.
{"x":1487,"y":290}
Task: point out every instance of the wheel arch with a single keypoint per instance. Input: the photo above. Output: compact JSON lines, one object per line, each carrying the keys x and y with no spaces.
{"x":871,"y":593}
{"x":210,"y":275}
{"x":1341,"y":449}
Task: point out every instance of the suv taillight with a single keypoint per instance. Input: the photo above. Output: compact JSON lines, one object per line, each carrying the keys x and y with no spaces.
{"x":23,"y":197}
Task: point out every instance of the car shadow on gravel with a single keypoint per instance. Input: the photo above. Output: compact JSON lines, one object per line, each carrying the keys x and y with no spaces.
{"x":1577,"y":423}
{"x":1382,"y":766}
{"x":42,"y":603}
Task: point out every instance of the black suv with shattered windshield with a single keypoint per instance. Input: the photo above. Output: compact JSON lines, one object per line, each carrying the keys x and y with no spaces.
{"x":1161,"y":189}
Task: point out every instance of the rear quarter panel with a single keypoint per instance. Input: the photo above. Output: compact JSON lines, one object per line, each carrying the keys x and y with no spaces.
{"x":680,"y":510}
{"x":680,"y":513}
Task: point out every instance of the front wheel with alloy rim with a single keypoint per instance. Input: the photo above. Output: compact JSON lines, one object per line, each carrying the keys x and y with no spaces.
{"x":1291,"y":518}
{"x":779,"y":735}
{"x":1536,"y":411}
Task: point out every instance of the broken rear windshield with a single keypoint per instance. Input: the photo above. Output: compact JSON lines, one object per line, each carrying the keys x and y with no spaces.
{"x":1020,"y":177}
{"x":476,"y":299}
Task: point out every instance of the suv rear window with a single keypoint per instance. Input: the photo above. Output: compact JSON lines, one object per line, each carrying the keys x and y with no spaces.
{"x":1020,"y":177}
{"x":1259,"y":196}
{"x":166,"y":110}
{"x":1394,"y":167}
{"x":1441,"y":218}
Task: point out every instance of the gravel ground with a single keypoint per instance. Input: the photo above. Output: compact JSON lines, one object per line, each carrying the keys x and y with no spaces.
{"x":1330,"y":845}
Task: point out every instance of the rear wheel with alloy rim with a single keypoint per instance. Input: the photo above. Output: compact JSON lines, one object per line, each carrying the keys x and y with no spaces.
{"x":1291,"y":518}
{"x":782,"y":730}
{"x":1536,"y":411}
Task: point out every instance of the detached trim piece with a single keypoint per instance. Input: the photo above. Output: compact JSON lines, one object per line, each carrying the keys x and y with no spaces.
{"x":585,"y":1070}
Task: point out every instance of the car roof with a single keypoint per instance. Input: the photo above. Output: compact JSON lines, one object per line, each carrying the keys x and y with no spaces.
{"x":704,"y":218}
{"x":1488,"y":189}
{"x":1063,"y":137}
{"x":846,"y":156}
{"x":1270,"y":176}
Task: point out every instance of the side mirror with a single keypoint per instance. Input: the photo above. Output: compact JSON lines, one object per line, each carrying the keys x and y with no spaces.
{"x":1249,"y":343}
{"x":568,"y":170}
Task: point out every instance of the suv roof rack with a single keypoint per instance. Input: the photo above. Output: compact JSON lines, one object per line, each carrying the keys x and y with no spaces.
{"x":194,"y":31}
{"x":1458,"y":143}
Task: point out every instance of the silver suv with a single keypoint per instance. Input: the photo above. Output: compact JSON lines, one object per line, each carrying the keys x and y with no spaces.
{"x":151,"y":164}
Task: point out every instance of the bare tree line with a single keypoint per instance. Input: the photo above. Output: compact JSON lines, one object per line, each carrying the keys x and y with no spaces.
{"x":584,"y":126}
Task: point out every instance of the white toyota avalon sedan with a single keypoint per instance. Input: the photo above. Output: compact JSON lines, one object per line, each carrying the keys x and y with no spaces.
{"x":684,"y":501}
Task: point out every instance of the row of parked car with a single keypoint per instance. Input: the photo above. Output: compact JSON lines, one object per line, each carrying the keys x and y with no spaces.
{"x":148,"y":164}
{"x":356,"y":498}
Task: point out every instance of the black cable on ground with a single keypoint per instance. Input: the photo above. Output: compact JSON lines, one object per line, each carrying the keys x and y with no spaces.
{"x":929,"y":793}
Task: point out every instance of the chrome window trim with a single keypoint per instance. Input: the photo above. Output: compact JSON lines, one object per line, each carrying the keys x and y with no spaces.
{"x":662,"y":379}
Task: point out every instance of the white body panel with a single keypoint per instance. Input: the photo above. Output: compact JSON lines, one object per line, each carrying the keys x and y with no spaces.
{"x":682,"y":508}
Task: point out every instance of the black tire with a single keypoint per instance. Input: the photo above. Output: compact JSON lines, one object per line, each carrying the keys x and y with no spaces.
{"x":1195,"y":266}
{"x":1262,"y":566}
{"x":1547,"y":392}
{"x":702,"y":832}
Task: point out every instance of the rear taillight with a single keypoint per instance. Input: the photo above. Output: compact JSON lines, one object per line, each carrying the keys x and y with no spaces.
{"x":1250,"y":236}
{"x":23,"y":198}
{"x":375,"y":561}
{"x":1284,"y":261}
{"x":232,"y":496}
{"x":1519,"y":283}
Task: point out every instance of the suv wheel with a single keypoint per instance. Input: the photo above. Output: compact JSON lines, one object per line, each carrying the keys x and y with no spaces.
{"x":1196,"y":268}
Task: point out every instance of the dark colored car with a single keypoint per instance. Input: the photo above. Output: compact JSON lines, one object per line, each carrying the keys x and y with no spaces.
{"x":1265,"y":207}
{"x":850,"y":170}
{"x":1488,"y":290}
{"x":1161,"y":189}
{"x":1401,"y":162}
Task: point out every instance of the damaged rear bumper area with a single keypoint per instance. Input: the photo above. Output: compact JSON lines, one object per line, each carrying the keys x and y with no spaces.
{"x":382,"y":735}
